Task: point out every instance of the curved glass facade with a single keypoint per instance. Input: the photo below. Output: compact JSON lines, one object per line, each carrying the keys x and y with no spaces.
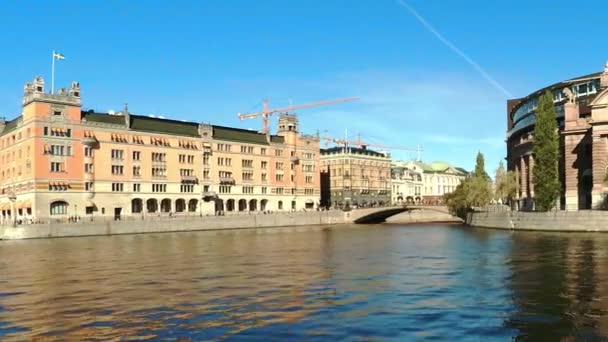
{"x":524,"y":116}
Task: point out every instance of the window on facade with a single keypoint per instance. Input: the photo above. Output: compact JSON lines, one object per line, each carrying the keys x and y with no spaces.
{"x":264,"y":177}
{"x":57,"y":167}
{"x":136,"y":187}
{"x":187,"y":188}
{"x":59,"y":208}
{"x":264,"y":190}
{"x":117,"y":187}
{"x":136,"y":155}
{"x":278,"y":153}
{"x":88,"y":186}
{"x":247,"y":176}
{"x":88,"y":168}
{"x":263,"y":151}
{"x":247,"y":163}
{"x":205,"y":159}
{"x":159,"y":157}
{"x":136,"y":171}
{"x":205,"y":174}
{"x":117,"y":154}
{"x":279,"y":178}
{"x":117,"y":169}
{"x":225,"y":189}
{"x":159,"y":187}
{"x":223,"y":147}
{"x":308,"y":179}
{"x":88,"y":152}
{"x":279,"y":166}
{"x":264,"y":164}
{"x":279,"y":191}
{"x":247,"y":189}
{"x":46,"y":131}
{"x":186,"y":172}
{"x":159,"y":172}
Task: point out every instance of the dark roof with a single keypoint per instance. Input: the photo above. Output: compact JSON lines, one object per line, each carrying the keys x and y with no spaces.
{"x":11,"y":125}
{"x":166,"y":126}
{"x":183,"y":128}
{"x":103,"y":118}
{"x":242,"y":135}
{"x":462,"y":170}
{"x":354,"y":150}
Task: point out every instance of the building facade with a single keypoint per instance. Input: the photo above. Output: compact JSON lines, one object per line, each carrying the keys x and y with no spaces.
{"x":355,"y":177}
{"x":436,"y":180}
{"x":581,"y":106}
{"x":58,"y":161}
{"x":406,"y":183}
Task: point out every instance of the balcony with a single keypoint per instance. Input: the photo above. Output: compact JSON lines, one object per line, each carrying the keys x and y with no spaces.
{"x":89,"y":141}
{"x":190,"y":179}
{"x":227,"y":181}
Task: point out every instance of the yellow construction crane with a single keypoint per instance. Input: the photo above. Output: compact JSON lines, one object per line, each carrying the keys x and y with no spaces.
{"x":267,"y":112}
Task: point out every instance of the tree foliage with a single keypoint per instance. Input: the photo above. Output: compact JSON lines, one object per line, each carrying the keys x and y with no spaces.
{"x":480,"y":167}
{"x":545,"y":174}
{"x":472,"y":192}
{"x":506,"y":185}
{"x":499,"y":182}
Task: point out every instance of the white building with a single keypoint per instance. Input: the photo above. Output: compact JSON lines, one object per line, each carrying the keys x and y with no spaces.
{"x":406,"y":183}
{"x":436,"y":180}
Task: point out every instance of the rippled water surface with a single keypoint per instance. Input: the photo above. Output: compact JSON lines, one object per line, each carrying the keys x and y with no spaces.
{"x":363,"y":283}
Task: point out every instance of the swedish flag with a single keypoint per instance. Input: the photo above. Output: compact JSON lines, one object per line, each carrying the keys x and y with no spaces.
{"x":57,"y":55}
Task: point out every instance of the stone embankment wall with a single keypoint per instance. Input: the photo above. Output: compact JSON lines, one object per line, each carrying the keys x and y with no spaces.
{"x":564,"y":221}
{"x":171,"y":224}
{"x":422,"y":216}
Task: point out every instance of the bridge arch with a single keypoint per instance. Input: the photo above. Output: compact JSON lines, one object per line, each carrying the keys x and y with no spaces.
{"x":380,"y":214}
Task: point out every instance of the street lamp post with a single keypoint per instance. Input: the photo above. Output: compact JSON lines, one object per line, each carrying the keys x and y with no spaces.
{"x":13,"y":198}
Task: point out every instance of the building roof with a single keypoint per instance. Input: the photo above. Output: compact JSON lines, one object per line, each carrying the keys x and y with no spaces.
{"x":11,"y":125}
{"x":438,"y":167}
{"x":183,"y":128}
{"x":353,"y":150}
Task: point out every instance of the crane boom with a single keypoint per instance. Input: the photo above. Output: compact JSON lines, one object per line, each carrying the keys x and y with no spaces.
{"x":266,"y":112}
{"x":362,"y":143}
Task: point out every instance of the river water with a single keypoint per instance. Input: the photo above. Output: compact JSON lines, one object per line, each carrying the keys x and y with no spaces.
{"x":360,"y":283}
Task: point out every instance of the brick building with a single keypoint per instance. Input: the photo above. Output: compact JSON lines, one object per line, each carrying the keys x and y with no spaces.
{"x":581,"y":106}
{"x":59,"y":161}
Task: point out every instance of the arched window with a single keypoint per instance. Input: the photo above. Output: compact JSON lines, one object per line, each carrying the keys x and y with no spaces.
{"x":59,"y":208}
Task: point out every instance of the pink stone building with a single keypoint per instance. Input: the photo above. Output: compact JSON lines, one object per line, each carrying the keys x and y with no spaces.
{"x":581,"y":106}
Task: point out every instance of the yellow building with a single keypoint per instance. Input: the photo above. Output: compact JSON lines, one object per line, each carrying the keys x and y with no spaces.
{"x":58,"y":162}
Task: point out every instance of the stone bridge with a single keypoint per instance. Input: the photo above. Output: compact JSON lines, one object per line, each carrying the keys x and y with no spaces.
{"x":380,"y":214}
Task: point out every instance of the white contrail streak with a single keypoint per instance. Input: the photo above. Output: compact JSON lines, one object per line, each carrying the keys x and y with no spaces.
{"x":455,"y":49}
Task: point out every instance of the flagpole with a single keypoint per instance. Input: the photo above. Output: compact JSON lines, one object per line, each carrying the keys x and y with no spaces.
{"x":53,"y":73}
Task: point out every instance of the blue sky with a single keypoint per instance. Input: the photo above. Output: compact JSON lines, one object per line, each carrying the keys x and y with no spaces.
{"x":208,"y":60}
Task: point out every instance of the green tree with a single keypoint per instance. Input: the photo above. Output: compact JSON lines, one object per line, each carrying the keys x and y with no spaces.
{"x":471,"y":192}
{"x":500,"y":182}
{"x":479,"y":192}
{"x":545,"y":176}
{"x":458,"y":200}
{"x":480,"y":167}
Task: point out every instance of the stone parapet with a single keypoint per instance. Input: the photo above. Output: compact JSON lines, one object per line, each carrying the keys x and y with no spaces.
{"x":558,"y":221}
{"x":165,"y":224}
